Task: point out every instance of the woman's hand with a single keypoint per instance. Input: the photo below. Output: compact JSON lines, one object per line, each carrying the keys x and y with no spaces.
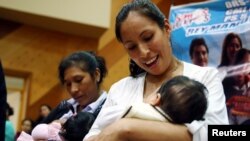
{"x":128,"y":129}
{"x":92,"y":138}
{"x":114,"y":132}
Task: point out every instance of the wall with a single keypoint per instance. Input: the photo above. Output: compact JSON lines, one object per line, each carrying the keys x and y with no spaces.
{"x":38,"y":51}
{"x":79,"y":17}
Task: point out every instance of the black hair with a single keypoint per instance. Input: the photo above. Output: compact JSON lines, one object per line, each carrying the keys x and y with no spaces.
{"x":46,"y":105}
{"x":145,"y":8}
{"x":134,"y":69}
{"x":41,"y":117}
{"x":76,"y":127}
{"x":9,"y":109}
{"x":224,"y":58}
{"x":183,"y":99}
{"x":197,"y":42}
{"x":86,"y":61}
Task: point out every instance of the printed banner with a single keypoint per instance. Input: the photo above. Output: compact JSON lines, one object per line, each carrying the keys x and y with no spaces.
{"x":217,"y":34}
{"x":212,"y":21}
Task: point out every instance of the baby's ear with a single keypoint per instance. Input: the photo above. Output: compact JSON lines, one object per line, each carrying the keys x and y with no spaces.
{"x":156,"y":101}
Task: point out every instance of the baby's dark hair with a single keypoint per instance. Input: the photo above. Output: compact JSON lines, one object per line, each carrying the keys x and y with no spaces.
{"x":183,"y":99}
{"x":76,"y":127}
{"x":86,"y":61}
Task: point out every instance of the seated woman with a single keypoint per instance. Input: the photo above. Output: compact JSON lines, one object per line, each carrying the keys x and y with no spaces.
{"x":81,"y":73}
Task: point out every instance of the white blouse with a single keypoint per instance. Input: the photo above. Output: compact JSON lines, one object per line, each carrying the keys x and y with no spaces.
{"x":89,"y":108}
{"x":129,"y":90}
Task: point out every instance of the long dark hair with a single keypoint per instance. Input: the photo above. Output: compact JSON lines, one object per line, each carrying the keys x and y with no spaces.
{"x":9,"y":110}
{"x":226,"y":42}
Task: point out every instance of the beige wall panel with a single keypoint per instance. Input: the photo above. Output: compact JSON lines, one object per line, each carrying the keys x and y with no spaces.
{"x":52,"y":98}
{"x":109,"y":35}
{"x":117,"y":71}
{"x":39,"y":51}
{"x":114,"y":54}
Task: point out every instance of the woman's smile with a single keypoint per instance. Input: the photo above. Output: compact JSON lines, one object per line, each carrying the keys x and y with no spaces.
{"x":152,"y":62}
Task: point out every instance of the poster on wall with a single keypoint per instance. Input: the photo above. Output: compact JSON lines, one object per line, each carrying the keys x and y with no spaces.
{"x":217,"y":34}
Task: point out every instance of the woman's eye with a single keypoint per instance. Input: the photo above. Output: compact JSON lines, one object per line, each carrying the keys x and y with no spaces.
{"x":67,"y":84}
{"x":148,"y":38}
{"x":78,"y":80}
{"x":132,"y":47}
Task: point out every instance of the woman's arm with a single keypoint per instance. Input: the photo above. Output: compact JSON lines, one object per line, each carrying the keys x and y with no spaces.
{"x":128,"y":129}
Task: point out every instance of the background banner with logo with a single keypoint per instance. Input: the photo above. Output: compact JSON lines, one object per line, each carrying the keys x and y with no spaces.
{"x":212,"y":21}
{"x":225,"y":27}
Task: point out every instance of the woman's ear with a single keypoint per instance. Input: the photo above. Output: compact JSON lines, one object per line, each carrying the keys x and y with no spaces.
{"x":167,"y":25}
{"x":97,"y":75}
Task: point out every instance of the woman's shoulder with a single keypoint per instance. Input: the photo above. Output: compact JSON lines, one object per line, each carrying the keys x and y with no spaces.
{"x":127,"y":87}
{"x":199,"y":73}
{"x":191,"y":68}
{"x":129,"y":81}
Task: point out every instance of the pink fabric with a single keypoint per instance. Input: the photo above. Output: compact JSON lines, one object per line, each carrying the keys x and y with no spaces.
{"x":42,"y":132}
{"x":54,"y":129}
{"x":47,"y":132}
{"x":24,"y":137}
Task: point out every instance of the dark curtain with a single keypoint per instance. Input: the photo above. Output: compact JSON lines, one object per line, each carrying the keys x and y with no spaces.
{"x":3,"y":95}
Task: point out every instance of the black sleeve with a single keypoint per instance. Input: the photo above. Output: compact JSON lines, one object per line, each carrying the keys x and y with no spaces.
{"x":98,"y":109}
{"x":58,"y":112}
{"x":3,"y":95}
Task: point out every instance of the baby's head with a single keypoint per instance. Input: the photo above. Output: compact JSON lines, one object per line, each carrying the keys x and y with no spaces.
{"x":76,"y":127}
{"x":182,"y":98}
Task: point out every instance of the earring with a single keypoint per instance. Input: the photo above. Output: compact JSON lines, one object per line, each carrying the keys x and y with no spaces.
{"x":98,"y":79}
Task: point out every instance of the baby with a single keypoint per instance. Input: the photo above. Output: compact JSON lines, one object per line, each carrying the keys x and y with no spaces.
{"x":179,"y":100}
{"x":74,"y":129}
